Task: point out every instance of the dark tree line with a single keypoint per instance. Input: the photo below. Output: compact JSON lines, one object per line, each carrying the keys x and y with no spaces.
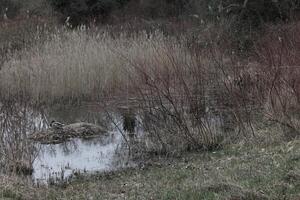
{"x":252,"y":12}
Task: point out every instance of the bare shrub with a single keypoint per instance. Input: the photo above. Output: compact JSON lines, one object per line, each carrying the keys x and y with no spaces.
{"x":278,"y":54}
{"x":178,"y":94}
{"x":16,"y":152}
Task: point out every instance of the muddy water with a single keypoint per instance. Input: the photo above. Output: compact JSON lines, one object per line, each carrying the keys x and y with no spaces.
{"x":54,"y":163}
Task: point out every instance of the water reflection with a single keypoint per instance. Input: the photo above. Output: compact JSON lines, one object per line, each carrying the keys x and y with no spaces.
{"x":52,"y":163}
{"x":60,"y":161}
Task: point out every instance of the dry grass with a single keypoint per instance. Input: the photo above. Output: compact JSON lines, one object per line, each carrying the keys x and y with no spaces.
{"x":76,"y":65}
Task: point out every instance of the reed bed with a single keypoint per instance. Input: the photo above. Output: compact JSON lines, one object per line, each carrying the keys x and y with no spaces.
{"x":76,"y":65}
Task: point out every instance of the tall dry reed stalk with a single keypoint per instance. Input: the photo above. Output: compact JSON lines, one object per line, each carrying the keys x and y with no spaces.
{"x":73,"y":65}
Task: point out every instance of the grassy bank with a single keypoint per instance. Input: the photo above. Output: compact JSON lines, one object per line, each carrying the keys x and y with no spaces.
{"x":243,"y":171}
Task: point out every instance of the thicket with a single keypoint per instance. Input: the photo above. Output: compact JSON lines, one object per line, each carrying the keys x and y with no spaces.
{"x":250,"y":12}
{"x":253,"y":12}
{"x":80,"y":11}
{"x":240,"y":19}
{"x":14,"y":8}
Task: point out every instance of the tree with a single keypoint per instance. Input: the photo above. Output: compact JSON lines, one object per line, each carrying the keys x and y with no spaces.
{"x":80,"y":10}
{"x":9,"y":8}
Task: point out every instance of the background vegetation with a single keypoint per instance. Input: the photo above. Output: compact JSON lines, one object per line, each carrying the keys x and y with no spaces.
{"x":190,"y":55}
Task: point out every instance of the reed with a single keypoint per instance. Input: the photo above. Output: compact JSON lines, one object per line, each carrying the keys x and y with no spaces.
{"x":74,"y":65}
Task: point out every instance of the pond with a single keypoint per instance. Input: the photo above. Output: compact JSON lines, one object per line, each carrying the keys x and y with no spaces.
{"x":53,"y":163}
{"x":129,"y":133}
